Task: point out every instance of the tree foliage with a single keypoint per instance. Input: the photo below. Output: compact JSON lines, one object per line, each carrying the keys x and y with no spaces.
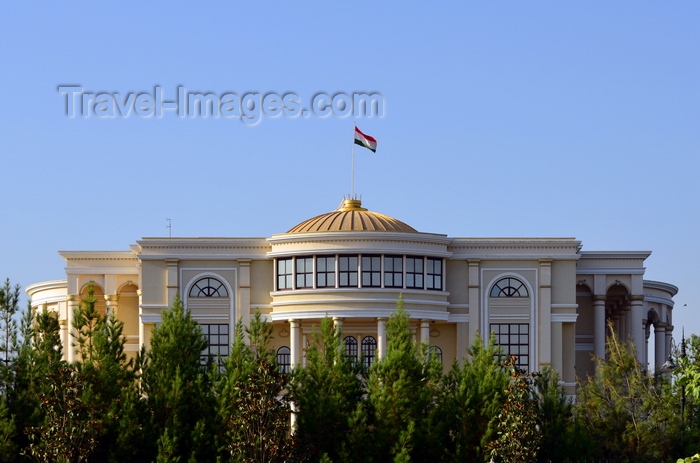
{"x":624,"y":412}
{"x":325,"y":392}
{"x":252,"y":401}
{"x":171,"y":405}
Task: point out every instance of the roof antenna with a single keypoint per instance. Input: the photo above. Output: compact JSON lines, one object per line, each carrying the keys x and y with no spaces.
{"x":170,"y":228}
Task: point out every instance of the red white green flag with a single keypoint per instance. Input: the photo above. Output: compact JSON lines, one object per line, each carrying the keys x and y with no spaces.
{"x":365,"y":140}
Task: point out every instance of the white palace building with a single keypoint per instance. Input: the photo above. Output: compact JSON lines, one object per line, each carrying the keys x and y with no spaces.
{"x":547,"y":301}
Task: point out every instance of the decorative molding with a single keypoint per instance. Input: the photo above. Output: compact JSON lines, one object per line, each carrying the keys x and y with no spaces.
{"x":564,"y":317}
{"x":150,"y":318}
{"x":565,"y":306}
{"x":356,"y":301}
{"x":609,"y":271}
{"x":355,"y":313}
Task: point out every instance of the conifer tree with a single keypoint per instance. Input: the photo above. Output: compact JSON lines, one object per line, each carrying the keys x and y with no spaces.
{"x":475,"y":393}
{"x":9,"y":306}
{"x":103,"y":368}
{"x":625,"y":415}
{"x":178,"y":388}
{"x":326,"y":392}
{"x":402,"y":388}
{"x":253,"y":405}
{"x":518,"y":438}
{"x":9,"y":346}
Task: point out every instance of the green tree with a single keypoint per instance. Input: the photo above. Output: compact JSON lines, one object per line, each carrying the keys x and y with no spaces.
{"x":252,"y":402}
{"x":518,"y":432}
{"x":9,"y":344}
{"x":625,"y":414}
{"x":178,"y":388}
{"x":71,"y":427}
{"x":106,"y":373}
{"x":559,"y":439}
{"x":326,"y":392}
{"x":402,"y":388}
{"x":475,"y":392}
{"x":9,"y":306}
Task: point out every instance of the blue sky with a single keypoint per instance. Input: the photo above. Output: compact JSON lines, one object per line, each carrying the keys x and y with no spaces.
{"x":558,"y":119}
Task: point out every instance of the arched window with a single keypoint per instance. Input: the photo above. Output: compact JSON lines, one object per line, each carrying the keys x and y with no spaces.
{"x":284,"y":359}
{"x":435,"y":351}
{"x":369,"y":350}
{"x":350,"y":348}
{"x":509,"y":287}
{"x":208,"y":287}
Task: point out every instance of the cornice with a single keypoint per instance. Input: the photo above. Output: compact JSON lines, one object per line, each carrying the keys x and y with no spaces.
{"x":45,"y":286}
{"x":615,"y":255}
{"x":321,"y":237}
{"x":660,"y":285}
{"x":98,"y":255}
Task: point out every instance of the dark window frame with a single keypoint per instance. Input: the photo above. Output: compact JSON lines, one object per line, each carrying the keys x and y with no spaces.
{"x":284,"y":359}
{"x":415,"y":278}
{"x":327,"y":274}
{"x":288,"y":274}
{"x":509,"y":287}
{"x":306,"y":275}
{"x":348,"y":273}
{"x":391,"y":272}
{"x":217,"y":341}
{"x":372,"y":273}
{"x":433,"y":273}
{"x":368,"y":351}
{"x":208,"y":287}
{"x":514,"y":339}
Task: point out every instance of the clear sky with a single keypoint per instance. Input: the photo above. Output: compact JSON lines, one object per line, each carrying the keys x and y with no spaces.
{"x":501,"y":119}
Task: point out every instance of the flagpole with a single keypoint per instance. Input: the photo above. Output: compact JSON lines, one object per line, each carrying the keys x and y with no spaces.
{"x":352,"y":174}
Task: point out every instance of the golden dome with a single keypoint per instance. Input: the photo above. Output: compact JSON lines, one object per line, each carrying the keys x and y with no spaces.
{"x":351,"y":216}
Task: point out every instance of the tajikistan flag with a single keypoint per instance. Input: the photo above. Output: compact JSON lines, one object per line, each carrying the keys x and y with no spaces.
{"x":365,"y":140}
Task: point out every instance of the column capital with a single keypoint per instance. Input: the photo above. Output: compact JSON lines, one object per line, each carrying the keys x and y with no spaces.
{"x":636,"y":298}
{"x":111,"y":297}
{"x":599,"y":298}
{"x":73,"y":298}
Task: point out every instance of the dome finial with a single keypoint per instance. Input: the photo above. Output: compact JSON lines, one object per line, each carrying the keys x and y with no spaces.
{"x":351,"y":205}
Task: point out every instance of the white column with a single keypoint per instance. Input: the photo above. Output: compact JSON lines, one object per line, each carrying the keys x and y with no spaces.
{"x":73,"y":303}
{"x":659,"y":346}
{"x":111,"y":304}
{"x":294,"y":346}
{"x":425,"y":331}
{"x":381,"y":338}
{"x":636,"y":326}
{"x":599,"y":326}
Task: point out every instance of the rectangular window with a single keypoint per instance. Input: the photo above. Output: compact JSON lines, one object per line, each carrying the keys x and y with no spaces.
{"x":284,"y":273}
{"x":371,"y":271}
{"x":347,"y":271}
{"x":217,"y":336}
{"x":393,"y":272}
{"x":433,"y":274}
{"x":514,"y":338}
{"x":305,"y":272}
{"x":325,"y":272}
{"x":414,"y":272}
